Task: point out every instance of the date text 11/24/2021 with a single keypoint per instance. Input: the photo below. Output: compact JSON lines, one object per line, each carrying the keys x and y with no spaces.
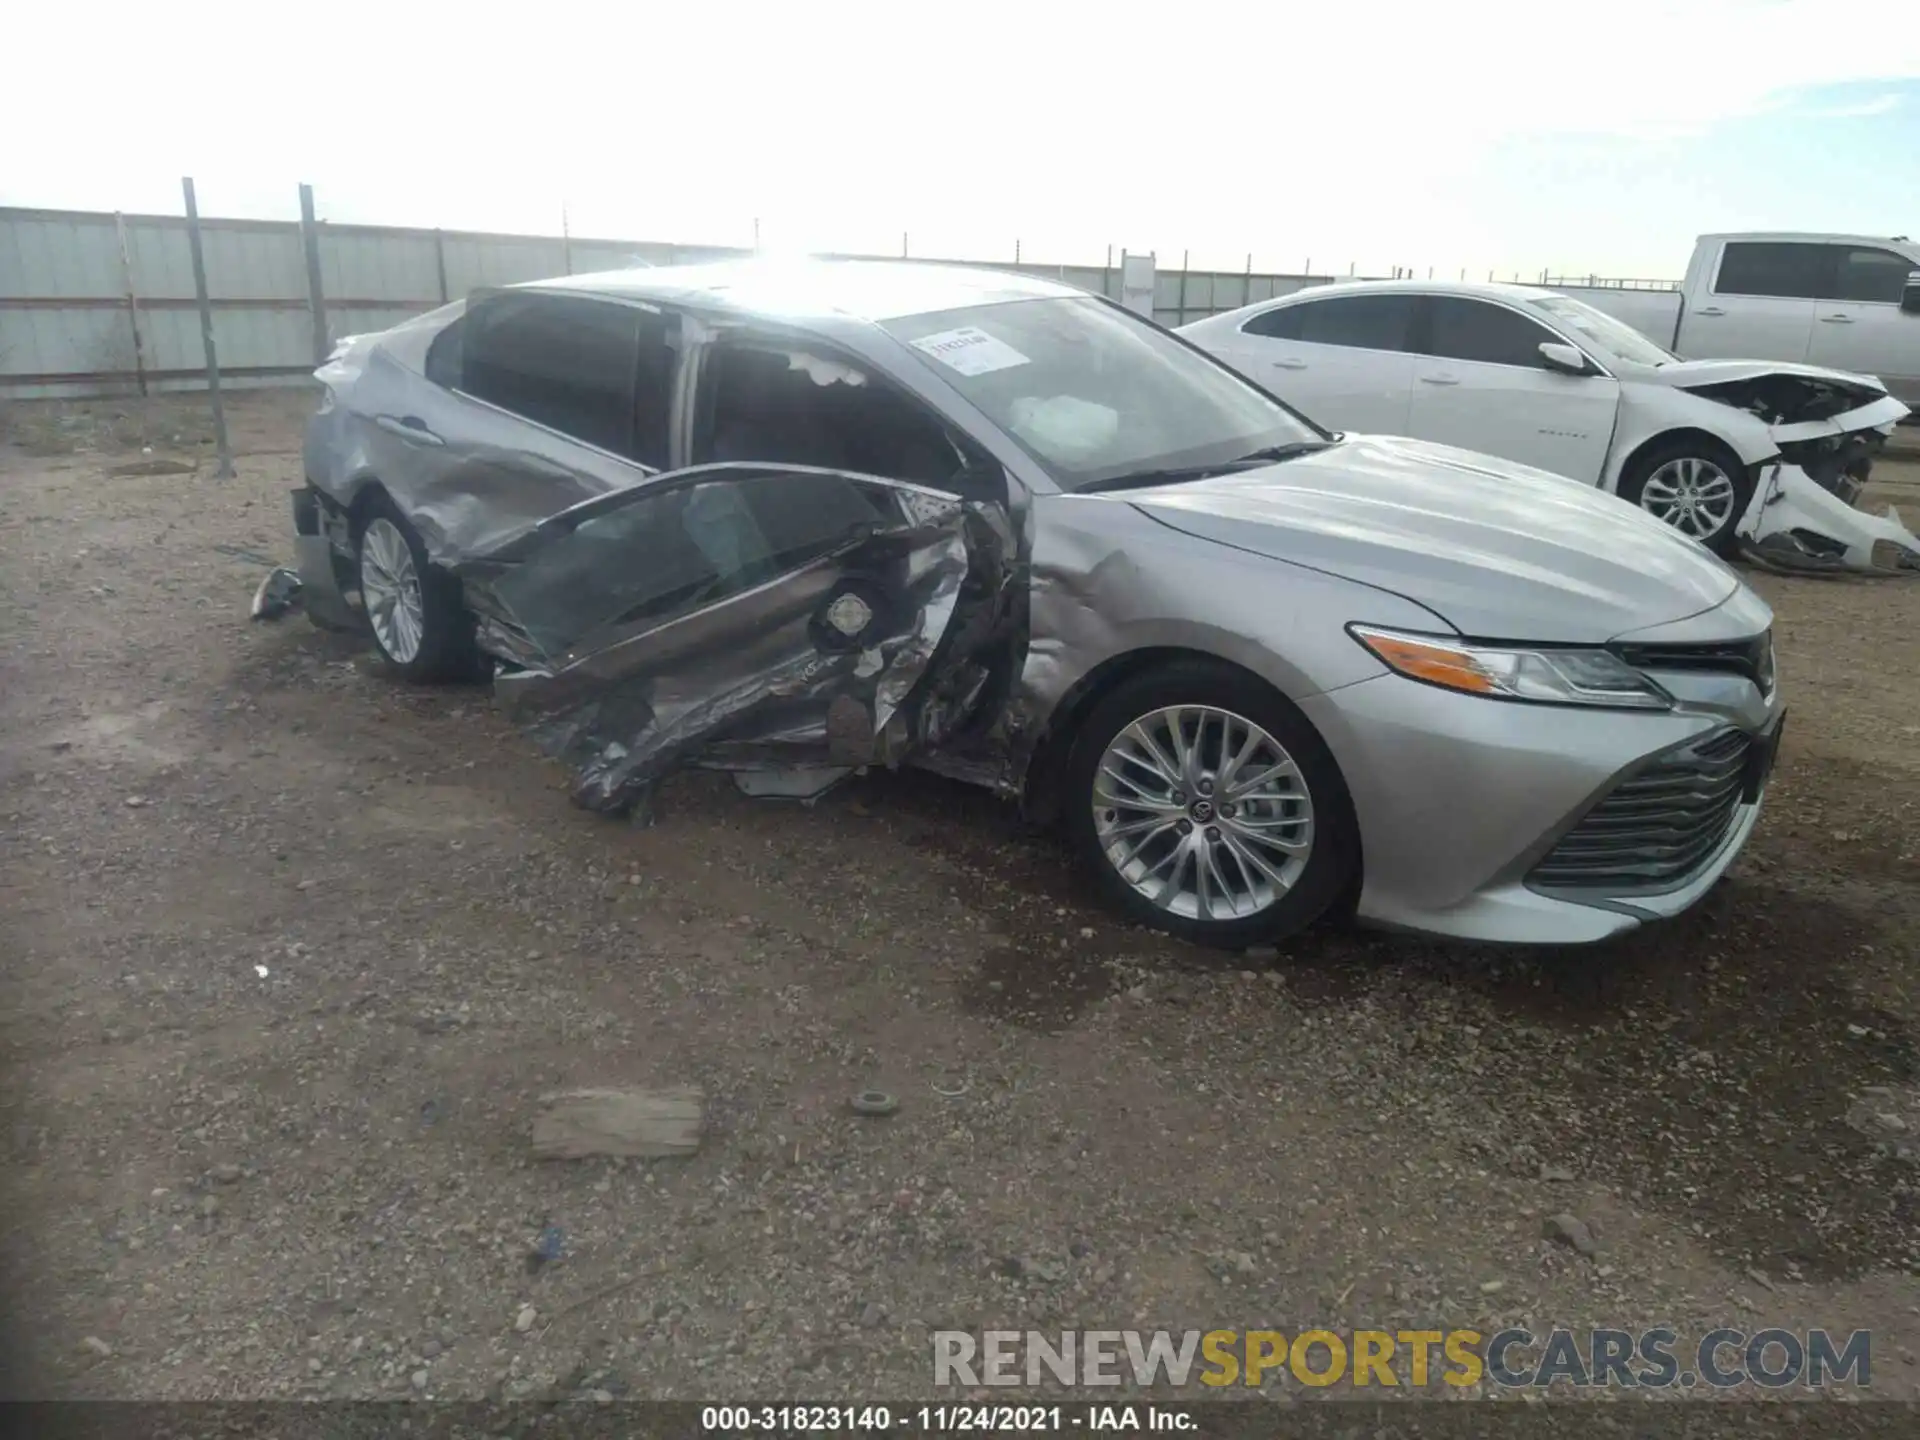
{"x":939,"y":1419}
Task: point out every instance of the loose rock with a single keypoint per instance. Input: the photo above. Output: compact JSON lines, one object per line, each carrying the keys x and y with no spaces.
{"x":1569,"y":1229}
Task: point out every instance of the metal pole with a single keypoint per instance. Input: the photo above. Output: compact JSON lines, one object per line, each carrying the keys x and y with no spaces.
{"x":566,"y":242}
{"x":1016,"y":249}
{"x":1106,"y":275}
{"x":903,"y":244}
{"x":1182,"y":310}
{"x":440,"y":264}
{"x":756,"y":234}
{"x":316,"y":297}
{"x":225,"y":472}
{"x":133,"y":302}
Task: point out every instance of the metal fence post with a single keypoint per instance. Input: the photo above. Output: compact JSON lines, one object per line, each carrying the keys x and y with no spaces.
{"x":225,"y":472}
{"x":133,"y":302}
{"x":316,"y":296}
{"x":440,"y":264}
{"x":1181,"y":309}
{"x":566,"y":241}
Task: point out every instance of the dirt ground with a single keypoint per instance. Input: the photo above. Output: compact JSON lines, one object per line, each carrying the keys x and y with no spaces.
{"x":290,"y":950}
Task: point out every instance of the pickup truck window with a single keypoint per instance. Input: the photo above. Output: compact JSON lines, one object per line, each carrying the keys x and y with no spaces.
{"x":1876,"y":276}
{"x":1781,"y":269}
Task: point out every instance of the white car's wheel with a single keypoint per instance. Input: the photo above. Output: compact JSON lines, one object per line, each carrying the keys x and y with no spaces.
{"x":1696,"y":487}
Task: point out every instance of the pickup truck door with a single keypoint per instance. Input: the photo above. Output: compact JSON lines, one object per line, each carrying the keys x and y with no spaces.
{"x":1863,"y":328}
{"x":1480,"y":383}
{"x":1757,"y":302}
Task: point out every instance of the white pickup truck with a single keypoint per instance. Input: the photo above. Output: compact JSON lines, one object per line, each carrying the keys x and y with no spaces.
{"x":1844,"y":302}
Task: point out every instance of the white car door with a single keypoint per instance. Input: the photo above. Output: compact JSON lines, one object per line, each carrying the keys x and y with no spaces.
{"x":1864,"y":329}
{"x":1342,"y":361}
{"x":1481,"y":384}
{"x":1762,"y":303}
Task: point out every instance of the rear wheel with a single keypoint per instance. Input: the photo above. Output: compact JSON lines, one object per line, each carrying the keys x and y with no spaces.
{"x":1697,"y":487}
{"x":1206,"y":805}
{"x":419,"y":624}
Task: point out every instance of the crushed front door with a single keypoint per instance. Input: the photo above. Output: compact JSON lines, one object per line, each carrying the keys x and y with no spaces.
{"x":761,"y":618}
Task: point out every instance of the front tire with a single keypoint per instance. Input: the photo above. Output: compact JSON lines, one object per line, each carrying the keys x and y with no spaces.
{"x":1697,"y":487}
{"x":419,"y":624}
{"x":1206,"y":805}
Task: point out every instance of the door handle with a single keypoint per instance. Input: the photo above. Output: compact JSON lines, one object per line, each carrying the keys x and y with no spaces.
{"x":408,"y":427}
{"x":1836,"y":319}
{"x":1710,"y":310}
{"x":1439,"y":380}
{"x":1289,"y":364}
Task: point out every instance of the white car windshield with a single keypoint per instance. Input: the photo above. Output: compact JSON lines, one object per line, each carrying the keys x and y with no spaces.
{"x":1095,"y":395}
{"x":1616,"y":337}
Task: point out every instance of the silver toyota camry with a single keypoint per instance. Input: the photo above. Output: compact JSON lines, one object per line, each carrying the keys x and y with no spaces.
{"x":791,"y":520}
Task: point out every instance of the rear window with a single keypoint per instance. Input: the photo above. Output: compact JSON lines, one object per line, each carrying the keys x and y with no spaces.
{"x":595,"y":370}
{"x":1780,"y":269}
{"x":1363,"y":322}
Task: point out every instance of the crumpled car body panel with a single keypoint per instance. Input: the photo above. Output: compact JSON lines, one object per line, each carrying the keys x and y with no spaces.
{"x":822,"y":657}
{"x":1804,"y":428}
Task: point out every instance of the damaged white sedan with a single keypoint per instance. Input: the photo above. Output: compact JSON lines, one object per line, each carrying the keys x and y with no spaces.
{"x":790,"y":521}
{"x":1746,"y":456}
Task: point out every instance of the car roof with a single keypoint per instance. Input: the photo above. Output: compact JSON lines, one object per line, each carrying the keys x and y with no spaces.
{"x":801,"y":289}
{"x":1514,"y":294}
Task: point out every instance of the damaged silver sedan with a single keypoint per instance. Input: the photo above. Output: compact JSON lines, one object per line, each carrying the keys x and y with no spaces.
{"x":793,"y":520}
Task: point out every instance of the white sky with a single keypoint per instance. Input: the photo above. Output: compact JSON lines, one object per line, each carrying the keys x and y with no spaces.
{"x":1371,"y":132}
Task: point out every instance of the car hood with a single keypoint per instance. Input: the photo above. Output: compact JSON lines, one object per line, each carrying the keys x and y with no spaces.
{"x":1499,"y":551}
{"x":1796,"y":402}
{"x":1691,"y":374}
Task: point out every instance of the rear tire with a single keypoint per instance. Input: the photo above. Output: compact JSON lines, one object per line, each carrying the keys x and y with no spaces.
{"x":419,"y":623}
{"x":1699,"y":488}
{"x":1247,"y":842}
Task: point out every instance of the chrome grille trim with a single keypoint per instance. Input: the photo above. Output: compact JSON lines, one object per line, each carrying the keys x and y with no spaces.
{"x":1751,"y":658}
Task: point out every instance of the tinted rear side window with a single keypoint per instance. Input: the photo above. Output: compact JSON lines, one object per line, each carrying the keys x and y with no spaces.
{"x":595,"y":370}
{"x":1461,"y":329}
{"x":1785,"y":270}
{"x":1278,"y":324}
{"x":1365,"y":322}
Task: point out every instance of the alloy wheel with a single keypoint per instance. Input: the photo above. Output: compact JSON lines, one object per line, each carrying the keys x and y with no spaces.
{"x":390,"y":587}
{"x":1692,"y":494}
{"x":1202,"y":812}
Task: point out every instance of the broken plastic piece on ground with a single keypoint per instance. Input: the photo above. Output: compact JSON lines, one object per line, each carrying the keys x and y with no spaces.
{"x":801,"y":782}
{"x":1787,"y":554}
{"x":874,"y":1103}
{"x":278,"y":594}
{"x":551,"y":1245}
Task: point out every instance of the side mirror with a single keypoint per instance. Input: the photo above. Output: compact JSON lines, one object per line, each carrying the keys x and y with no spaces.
{"x":1910,"y":297}
{"x":1564,"y":358}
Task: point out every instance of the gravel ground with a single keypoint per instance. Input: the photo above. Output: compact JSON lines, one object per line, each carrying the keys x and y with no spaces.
{"x":290,"y":950}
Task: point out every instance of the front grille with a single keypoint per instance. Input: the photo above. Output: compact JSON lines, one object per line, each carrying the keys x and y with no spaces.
{"x":1750,"y":658}
{"x":1655,"y":829}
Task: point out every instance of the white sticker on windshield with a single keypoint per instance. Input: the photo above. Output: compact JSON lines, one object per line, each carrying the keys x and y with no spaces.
{"x":970,"y":350}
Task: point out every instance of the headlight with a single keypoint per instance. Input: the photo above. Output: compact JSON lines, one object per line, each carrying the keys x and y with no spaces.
{"x":1550,"y":676}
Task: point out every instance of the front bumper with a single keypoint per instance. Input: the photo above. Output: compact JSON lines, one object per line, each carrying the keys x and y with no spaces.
{"x":1460,"y":799}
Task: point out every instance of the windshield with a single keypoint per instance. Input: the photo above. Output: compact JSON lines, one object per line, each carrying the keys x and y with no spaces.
{"x":1616,"y":337}
{"x":1094,"y":394}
